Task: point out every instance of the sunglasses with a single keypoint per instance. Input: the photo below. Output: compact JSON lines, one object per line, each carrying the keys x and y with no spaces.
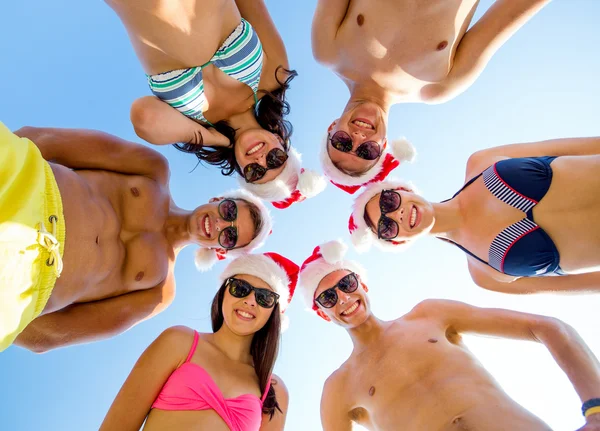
{"x":275,"y":159}
{"x":389,"y":201}
{"x":240,"y":289}
{"x":228,"y":212}
{"x":328,"y":298}
{"x":342,"y":141}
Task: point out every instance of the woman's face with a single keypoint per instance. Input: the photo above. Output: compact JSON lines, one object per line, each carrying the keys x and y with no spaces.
{"x":252,"y":146}
{"x":414,"y":216}
{"x":244,"y":316}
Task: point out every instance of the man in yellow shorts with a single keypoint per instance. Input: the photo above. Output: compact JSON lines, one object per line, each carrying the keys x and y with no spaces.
{"x":89,"y":235}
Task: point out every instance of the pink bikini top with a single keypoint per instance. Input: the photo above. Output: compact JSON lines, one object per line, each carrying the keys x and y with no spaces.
{"x":190,"y":387}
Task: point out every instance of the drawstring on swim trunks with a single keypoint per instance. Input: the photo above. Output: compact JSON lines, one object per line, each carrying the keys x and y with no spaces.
{"x":49,"y":242}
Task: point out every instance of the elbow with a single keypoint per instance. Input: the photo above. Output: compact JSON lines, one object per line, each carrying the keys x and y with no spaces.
{"x":552,"y":330}
{"x":143,"y":118}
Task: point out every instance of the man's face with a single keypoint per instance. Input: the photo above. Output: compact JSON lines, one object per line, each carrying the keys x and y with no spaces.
{"x":363,"y":122}
{"x":351,"y":309}
{"x":413,"y":218}
{"x":209,"y":226}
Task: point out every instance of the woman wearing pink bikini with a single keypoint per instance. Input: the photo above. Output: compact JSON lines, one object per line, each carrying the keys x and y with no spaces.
{"x":219,"y":381}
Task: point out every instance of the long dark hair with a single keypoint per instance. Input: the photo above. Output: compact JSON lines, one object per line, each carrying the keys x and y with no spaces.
{"x":270,"y":112}
{"x":264,"y":347}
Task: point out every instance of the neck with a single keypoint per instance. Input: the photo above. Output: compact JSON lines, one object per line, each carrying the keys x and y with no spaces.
{"x":368,"y":333}
{"x":244,"y":121}
{"x":448,"y":219}
{"x":176,"y":227}
{"x":235,"y":347}
{"x":370,"y":92}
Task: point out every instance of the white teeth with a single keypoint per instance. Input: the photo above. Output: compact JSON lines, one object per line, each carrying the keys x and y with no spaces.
{"x":206,"y":226}
{"x":246,"y":315}
{"x":351,"y":309}
{"x":413,"y":217}
{"x":255,"y":148}
{"x":363,"y":124}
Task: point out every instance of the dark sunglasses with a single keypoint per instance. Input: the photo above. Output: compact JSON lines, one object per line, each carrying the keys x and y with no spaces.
{"x":342,"y":141}
{"x":275,"y":159}
{"x":328,"y":298}
{"x":240,"y":289}
{"x":389,"y":201}
{"x":228,"y":212}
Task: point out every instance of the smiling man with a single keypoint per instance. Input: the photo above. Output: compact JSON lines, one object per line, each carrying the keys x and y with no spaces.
{"x":89,"y":235}
{"x":416,"y":371}
{"x":400,"y":51}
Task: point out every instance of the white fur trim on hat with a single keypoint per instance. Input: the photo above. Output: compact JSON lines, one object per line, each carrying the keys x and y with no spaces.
{"x":332,"y":260}
{"x":205,"y":258}
{"x":401,"y":149}
{"x":363,"y":237}
{"x":266,"y":269}
{"x":310,"y":183}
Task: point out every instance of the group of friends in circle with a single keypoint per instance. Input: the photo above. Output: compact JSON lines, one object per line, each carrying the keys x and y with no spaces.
{"x":525,"y":212}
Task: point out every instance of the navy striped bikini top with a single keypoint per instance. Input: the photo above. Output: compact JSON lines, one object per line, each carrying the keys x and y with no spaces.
{"x":522,"y":249}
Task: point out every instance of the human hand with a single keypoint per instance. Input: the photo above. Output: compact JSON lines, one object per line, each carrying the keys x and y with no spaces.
{"x":592,"y":423}
{"x":216,"y":139}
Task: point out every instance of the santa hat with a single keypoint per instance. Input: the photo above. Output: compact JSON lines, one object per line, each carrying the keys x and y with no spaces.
{"x":206,"y":257}
{"x":293,"y":184}
{"x":325,"y":259}
{"x":280,"y":273}
{"x":362,"y":235}
{"x":398,"y":151}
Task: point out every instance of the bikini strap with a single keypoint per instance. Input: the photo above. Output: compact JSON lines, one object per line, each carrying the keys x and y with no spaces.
{"x":193,"y":349}
{"x":467,"y":184}
{"x":264,"y":397}
{"x":466,"y":251}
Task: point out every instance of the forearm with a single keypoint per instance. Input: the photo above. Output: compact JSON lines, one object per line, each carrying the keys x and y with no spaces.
{"x":572,"y":355}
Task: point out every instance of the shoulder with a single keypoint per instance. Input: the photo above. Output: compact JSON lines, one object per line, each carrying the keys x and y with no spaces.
{"x":335,"y":384}
{"x":281,"y":390}
{"x":177,"y":334}
{"x":430,"y":308}
{"x":172,"y":345}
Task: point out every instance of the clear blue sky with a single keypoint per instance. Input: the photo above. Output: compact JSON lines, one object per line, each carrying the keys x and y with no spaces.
{"x":68,"y":63}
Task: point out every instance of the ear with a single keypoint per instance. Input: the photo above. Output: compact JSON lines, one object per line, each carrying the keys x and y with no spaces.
{"x":332,"y":125}
{"x":384,"y":143}
{"x":215,"y":199}
{"x":364,"y":286}
{"x":323,"y":316}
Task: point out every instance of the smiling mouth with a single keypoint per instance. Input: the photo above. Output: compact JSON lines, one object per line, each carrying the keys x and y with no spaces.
{"x":363,"y":123}
{"x":244,"y":315}
{"x":415,"y":217}
{"x":351,"y":310}
{"x":257,"y":147}
{"x":205,"y":226}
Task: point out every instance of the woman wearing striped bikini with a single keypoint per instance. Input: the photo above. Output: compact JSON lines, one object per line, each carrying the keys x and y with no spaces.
{"x":525,"y":211}
{"x":218,"y":70}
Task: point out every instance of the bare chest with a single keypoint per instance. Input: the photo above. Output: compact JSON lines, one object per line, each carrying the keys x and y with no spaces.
{"x":402,"y":44}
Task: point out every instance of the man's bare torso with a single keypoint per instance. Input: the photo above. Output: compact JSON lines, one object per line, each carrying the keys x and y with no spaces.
{"x":426,"y":379}
{"x":114,"y":235}
{"x":401,"y":45}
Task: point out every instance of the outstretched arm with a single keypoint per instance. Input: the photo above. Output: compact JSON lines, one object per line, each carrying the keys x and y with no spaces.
{"x":499,"y":23}
{"x":283,"y":399}
{"x":328,"y":18}
{"x":131,"y":406}
{"x":160,"y":124}
{"x":91,"y":149}
{"x":334,"y":415}
{"x":95,"y":321}
{"x":567,"y":348}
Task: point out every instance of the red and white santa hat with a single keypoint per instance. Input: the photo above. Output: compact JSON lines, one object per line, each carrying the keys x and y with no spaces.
{"x":206,"y":257}
{"x":280,"y":273}
{"x":397,"y":151}
{"x":325,"y":259}
{"x":293,"y":184}
{"x":362,"y":235}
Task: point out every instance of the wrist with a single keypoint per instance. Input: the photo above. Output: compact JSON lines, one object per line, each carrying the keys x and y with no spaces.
{"x":591,"y":408}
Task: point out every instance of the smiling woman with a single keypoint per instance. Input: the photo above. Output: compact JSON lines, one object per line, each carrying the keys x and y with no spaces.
{"x":222,"y":380}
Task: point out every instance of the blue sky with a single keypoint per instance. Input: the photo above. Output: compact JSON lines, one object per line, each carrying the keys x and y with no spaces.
{"x":69,"y":63}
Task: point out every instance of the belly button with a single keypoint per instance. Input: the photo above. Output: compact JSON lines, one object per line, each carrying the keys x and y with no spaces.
{"x":432,"y":340}
{"x":97,"y":240}
{"x":360,"y":19}
{"x":442,"y":45}
{"x":139,"y":276}
{"x":372,"y":391}
{"x":135,"y":192}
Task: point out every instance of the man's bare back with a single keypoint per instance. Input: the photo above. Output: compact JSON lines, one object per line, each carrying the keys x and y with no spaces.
{"x":422,"y":376}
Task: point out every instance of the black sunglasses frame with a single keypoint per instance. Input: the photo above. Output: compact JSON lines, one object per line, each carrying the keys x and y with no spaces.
{"x":338,"y":285}
{"x":383,"y":218}
{"x":344,"y":149}
{"x":257,"y":292}
{"x":273,"y":162}
{"x":228,"y":228}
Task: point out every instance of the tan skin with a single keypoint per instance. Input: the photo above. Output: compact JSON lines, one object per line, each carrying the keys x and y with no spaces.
{"x":475,"y":217}
{"x":416,"y":371}
{"x":124,"y":233}
{"x":409,"y":51}
{"x":177,"y":34}
{"x":225,"y":355}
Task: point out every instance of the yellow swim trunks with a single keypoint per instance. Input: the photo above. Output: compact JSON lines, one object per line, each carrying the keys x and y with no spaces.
{"x":32,"y":234}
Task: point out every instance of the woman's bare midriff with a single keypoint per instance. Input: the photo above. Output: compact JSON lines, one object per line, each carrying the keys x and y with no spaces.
{"x":114,"y":240}
{"x":160,"y":420}
{"x":401,"y":46}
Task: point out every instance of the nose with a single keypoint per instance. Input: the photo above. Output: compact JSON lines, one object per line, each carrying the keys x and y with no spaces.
{"x":343,"y":296}
{"x":250,"y":300}
{"x":359,"y":136}
{"x":221,"y":224}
